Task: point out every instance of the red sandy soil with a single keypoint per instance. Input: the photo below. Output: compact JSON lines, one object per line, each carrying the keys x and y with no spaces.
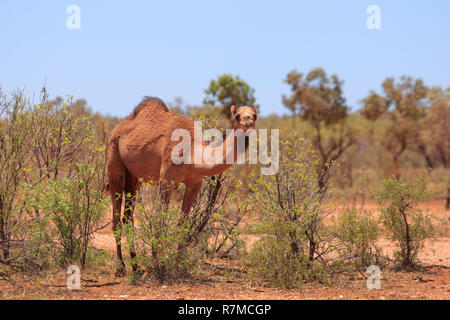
{"x":227,"y":279}
{"x":224,"y":283}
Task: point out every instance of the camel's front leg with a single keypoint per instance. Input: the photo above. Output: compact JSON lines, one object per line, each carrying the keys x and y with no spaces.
{"x":165,"y":190}
{"x":191,"y":193}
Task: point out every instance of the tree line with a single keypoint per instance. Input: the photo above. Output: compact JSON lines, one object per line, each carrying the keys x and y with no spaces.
{"x":400,"y":130}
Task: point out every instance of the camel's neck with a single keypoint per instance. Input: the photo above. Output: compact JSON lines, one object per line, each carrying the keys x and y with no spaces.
{"x":219,"y":158}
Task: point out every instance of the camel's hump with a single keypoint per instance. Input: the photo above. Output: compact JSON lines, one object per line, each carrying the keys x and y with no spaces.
{"x":149,"y":103}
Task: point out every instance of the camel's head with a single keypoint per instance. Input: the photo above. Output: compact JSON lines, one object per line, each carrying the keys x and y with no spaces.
{"x":244,"y":118}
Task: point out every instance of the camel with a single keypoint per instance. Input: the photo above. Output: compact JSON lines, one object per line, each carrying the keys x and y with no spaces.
{"x":140,"y":149}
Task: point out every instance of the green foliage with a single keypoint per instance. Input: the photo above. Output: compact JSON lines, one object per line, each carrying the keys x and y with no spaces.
{"x":71,"y":166}
{"x":51,"y":185}
{"x":230,"y":90}
{"x":171,"y":246}
{"x":98,"y":260}
{"x":23,"y":243}
{"x":65,"y":129}
{"x":407,"y":226}
{"x":357,"y":234}
{"x":273,"y":260}
{"x":75,"y":208}
{"x":224,"y":234}
{"x":167,"y":245}
{"x":292,"y":206}
{"x":316,"y":97}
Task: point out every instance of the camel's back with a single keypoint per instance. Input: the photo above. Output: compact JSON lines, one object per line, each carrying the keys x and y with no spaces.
{"x":144,"y":137}
{"x":150,"y":120}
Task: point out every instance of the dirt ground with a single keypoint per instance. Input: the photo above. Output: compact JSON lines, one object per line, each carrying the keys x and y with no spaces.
{"x":227,"y":279}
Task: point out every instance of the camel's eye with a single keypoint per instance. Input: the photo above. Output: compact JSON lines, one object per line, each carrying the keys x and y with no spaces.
{"x":255,"y":117}
{"x":237,"y":117}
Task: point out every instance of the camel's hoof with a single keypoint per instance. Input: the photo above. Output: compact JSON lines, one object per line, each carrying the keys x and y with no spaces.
{"x":120,"y":272}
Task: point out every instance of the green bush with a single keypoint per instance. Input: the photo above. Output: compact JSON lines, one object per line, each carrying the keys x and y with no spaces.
{"x":407,"y":226}
{"x":168,"y":246}
{"x":280,"y":257}
{"x":24,"y":244}
{"x":357,"y":234}
{"x":292,"y":207}
{"x":56,"y":180}
{"x":75,"y":208}
{"x":225,"y":239}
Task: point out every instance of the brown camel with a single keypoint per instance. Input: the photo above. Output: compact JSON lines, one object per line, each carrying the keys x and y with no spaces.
{"x":140,"y":149}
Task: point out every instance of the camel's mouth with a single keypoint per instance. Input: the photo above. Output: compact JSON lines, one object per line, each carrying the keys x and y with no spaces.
{"x":246,"y":129}
{"x":249,"y":126}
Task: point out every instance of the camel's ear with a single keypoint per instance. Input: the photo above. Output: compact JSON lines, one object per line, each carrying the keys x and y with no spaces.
{"x":233,"y":110}
{"x":256,"y":110}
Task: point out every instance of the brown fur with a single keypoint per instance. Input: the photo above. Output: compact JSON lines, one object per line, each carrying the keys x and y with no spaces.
{"x":140,"y":147}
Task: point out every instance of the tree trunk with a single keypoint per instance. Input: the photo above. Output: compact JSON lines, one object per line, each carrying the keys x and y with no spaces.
{"x":407,"y":260}
{"x":4,"y":242}
{"x":396,"y":168}
{"x":312,"y":250}
{"x":423,"y":151}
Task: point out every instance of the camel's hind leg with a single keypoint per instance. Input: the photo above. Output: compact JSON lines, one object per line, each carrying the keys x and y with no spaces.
{"x":116,"y":180}
{"x":131,"y":186}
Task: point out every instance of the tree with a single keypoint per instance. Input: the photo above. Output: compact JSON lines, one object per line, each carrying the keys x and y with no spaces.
{"x":294,"y":102}
{"x":433,"y":141}
{"x":408,"y":227}
{"x":230,"y":90}
{"x":374,"y":106}
{"x":408,"y":98}
{"x":319,"y":100}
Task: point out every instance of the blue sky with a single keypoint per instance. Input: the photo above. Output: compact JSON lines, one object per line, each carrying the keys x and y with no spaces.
{"x":128,"y":49}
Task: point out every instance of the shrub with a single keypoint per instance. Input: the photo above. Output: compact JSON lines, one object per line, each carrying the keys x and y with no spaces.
{"x":75,"y":207}
{"x":168,"y":245}
{"x":23,"y":246}
{"x":280,"y":256}
{"x":292,"y":206}
{"x":161,"y":245}
{"x":357,"y":234}
{"x":171,"y":246}
{"x":65,"y":178}
{"x":407,"y":226}
{"x":224,"y":235}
